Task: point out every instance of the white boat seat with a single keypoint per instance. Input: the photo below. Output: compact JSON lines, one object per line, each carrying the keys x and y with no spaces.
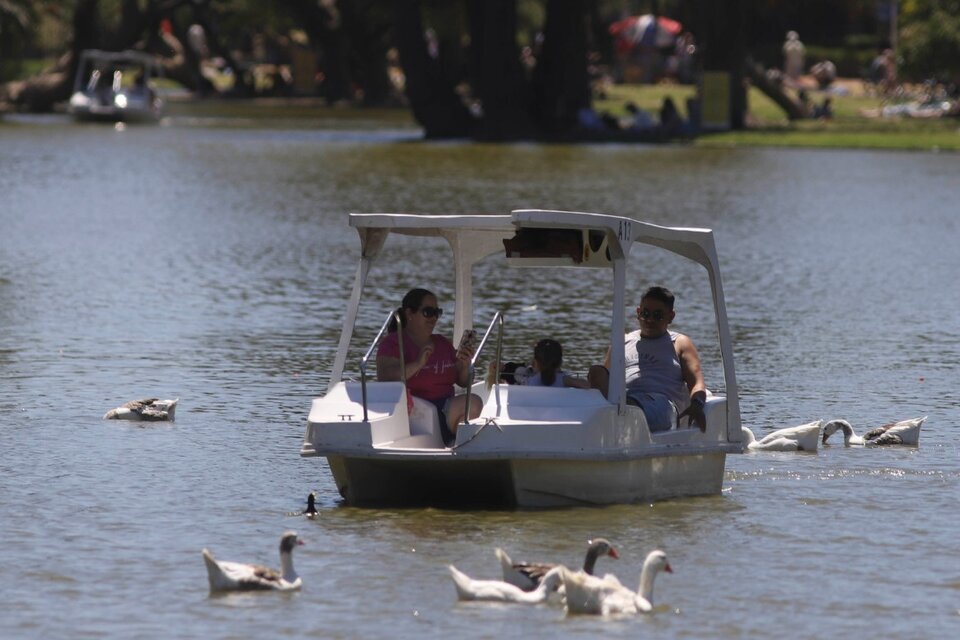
{"x":544,"y":404}
{"x":424,"y":419}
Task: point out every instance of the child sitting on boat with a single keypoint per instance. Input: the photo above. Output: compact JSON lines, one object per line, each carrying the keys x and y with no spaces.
{"x":547,"y":360}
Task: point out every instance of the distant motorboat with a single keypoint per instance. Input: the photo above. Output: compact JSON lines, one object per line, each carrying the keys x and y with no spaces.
{"x":116,"y":87}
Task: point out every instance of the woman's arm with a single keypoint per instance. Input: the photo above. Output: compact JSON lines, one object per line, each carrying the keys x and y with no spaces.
{"x":464,"y":355}
{"x":388,"y":368}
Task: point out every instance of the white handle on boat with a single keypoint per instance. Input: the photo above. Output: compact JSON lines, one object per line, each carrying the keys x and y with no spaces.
{"x":393,"y":315}
{"x":497,"y":320}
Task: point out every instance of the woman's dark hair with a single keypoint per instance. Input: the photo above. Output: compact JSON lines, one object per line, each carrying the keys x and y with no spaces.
{"x":549,"y":356}
{"x":413,"y":300}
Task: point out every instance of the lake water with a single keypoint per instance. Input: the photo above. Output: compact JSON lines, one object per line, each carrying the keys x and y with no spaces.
{"x":210,"y":261}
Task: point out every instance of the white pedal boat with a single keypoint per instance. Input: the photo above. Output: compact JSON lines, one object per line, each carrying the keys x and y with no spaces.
{"x":116,"y":87}
{"x":531,"y":446}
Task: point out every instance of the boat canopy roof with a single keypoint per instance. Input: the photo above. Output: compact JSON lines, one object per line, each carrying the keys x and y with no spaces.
{"x":120,"y":57}
{"x":488,"y":231}
{"x":95,"y":61}
{"x":536,"y":237}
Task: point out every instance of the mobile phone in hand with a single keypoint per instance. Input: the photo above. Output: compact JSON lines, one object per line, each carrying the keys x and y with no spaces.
{"x":468,"y":341}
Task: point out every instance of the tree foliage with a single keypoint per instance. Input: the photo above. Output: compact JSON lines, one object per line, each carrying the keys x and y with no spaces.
{"x":18,"y":19}
{"x":930,"y":39}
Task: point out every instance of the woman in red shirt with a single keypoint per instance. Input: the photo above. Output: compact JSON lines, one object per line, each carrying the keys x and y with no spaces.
{"x":431,"y":363}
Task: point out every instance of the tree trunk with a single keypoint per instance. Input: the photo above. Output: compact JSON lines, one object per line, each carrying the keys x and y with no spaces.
{"x":561,"y":85}
{"x":433,"y":101}
{"x":367,"y":29}
{"x":721,"y":32}
{"x":327,"y":31}
{"x":794,"y":109}
{"x":498,"y":78}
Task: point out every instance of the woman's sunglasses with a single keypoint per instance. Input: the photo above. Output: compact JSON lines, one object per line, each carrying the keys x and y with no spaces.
{"x":431,"y":312}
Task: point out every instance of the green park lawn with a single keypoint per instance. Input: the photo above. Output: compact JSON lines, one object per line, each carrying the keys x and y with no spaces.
{"x":768,"y":125}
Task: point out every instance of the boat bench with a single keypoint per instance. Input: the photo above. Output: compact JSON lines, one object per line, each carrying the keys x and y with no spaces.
{"x":542,"y":404}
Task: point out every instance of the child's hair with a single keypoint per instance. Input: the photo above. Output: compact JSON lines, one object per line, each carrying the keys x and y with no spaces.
{"x":549,"y":356}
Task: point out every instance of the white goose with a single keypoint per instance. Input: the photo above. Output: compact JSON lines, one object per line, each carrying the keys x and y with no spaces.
{"x":235,"y":576}
{"x":527,"y":575}
{"x":905,"y":432}
{"x":606,"y":596}
{"x":498,"y":591}
{"x":805,"y":437}
{"x":147,"y":410}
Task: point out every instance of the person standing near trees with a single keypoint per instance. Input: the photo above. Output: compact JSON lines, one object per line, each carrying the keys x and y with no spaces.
{"x":793,"y":56}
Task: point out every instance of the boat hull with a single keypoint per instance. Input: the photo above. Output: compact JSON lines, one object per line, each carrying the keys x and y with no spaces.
{"x":525,"y":483}
{"x":137,"y":108}
{"x":530,"y":447}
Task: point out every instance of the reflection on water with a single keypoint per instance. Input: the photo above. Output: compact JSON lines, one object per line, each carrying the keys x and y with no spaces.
{"x":213,"y":262}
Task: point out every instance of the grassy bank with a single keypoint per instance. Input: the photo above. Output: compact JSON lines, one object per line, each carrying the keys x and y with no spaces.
{"x":768,"y":125}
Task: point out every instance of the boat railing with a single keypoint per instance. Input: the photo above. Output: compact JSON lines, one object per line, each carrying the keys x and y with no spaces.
{"x":392,"y":316}
{"x":498,"y":322}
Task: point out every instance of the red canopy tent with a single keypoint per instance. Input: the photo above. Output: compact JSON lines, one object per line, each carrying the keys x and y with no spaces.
{"x":645,"y":31}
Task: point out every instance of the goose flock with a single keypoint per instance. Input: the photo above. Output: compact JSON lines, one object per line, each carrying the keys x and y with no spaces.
{"x":528,"y":575}
{"x":807,"y":437}
{"x":580,"y":591}
{"x":905,"y":432}
{"x":607,"y":596}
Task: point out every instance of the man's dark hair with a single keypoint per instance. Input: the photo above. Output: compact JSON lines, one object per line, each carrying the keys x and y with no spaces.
{"x":662,"y":294}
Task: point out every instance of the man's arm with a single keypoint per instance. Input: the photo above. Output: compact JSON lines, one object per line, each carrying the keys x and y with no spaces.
{"x":693,"y":376}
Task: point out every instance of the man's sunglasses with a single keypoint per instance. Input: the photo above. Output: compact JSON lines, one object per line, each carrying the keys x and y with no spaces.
{"x":646,"y":314}
{"x":431,"y":312}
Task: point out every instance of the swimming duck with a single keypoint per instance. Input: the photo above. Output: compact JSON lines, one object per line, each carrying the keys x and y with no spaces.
{"x":311,"y":509}
{"x":906,"y":432}
{"x":499,"y":591}
{"x":147,"y":410}
{"x":606,"y":595}
{"x":805,"y":437}
{"x":527,"y":575}
{"x":236,"y":576}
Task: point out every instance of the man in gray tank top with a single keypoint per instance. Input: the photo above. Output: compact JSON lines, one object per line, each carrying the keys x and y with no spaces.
{"x":662,"y":370}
